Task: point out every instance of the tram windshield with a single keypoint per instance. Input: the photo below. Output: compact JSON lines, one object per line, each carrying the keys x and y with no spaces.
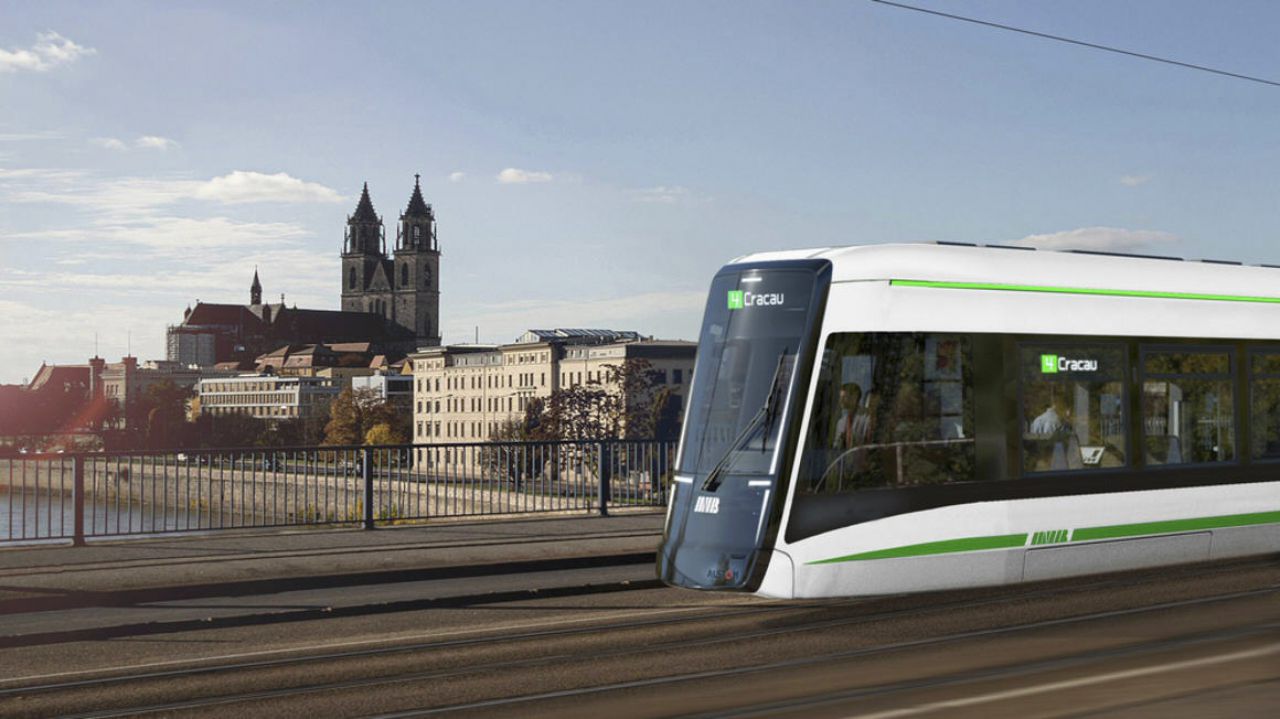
{"x":753,"y":352}
{"x":751,"y":332}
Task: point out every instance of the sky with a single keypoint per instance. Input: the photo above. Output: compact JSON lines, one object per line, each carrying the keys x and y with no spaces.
{"x":592,"y":164}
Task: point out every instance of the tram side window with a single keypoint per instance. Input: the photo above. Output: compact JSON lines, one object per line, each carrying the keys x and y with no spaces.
{"x":1072,"y":407}
{"x":1264,"y":404}
{"x":891,"y":410}
{"x":1188,"y":414}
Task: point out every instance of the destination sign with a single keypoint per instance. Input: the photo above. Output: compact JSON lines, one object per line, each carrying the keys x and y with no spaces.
{"x":742,"y":299}
{"x":1053,"y":364}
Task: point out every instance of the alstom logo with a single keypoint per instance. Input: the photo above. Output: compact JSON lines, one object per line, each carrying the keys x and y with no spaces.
{"x":1053,"y":364}
{"x":707,"y":505}
{"x":742,"y":299}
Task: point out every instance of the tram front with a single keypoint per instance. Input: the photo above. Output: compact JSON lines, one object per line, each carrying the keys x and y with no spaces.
{"x":755,"y":352}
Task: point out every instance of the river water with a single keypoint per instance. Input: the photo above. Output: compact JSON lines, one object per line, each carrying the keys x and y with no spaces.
{"x":23,"y":517}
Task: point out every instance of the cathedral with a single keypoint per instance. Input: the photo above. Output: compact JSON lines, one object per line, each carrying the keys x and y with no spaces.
{"x":389,"y":301}
{"x":402,"y":287}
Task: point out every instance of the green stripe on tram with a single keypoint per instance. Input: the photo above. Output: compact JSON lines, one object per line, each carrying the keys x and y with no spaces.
{"x":1085,"y":534}
{"x":1154,"y":294}
{"x":946,"y":546}
{"x":1175,"y":525}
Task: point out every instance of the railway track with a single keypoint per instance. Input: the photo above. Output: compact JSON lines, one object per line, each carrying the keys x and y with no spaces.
{"x":216,"y":684}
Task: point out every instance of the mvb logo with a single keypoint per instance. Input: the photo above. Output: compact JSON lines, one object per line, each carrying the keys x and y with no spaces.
{"x":707,"y":505}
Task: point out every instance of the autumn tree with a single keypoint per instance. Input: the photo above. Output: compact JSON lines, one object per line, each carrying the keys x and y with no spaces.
{"x":353,"y":413}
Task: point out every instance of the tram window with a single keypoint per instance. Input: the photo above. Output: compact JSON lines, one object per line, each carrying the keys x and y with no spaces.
{"x":1072,"y":399}
{"x":891,"y":410}
{"x":1188,"y":414}
{"x":1264,"y":404}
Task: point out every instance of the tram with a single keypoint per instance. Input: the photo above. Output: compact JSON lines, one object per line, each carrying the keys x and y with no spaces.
{"x":900,"y":418}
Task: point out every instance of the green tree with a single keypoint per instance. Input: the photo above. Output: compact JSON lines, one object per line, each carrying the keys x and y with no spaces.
{"x":163,"y":411}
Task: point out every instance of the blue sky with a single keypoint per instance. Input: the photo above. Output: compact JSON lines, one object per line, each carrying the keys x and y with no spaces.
{"x":152,"y":154}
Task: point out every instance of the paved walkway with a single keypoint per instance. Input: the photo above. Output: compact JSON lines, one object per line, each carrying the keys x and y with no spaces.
{"x":39,"y":578}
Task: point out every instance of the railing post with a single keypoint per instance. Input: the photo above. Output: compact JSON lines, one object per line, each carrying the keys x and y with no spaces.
{"x":600,"y":478}
{"x":77,"y":500}
{"x":366,"y":472}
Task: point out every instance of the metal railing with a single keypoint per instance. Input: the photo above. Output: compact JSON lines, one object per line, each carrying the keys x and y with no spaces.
{"x":85,"y":495}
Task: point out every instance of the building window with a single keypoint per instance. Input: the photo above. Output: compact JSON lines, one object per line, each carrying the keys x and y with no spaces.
{"x":404,"y":275}
{"x":677,"y":376}
{"x":351,"y":278}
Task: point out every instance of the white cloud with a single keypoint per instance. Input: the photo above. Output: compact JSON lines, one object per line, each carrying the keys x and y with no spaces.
{"x":665,"y":195}
{"x":1134,"y":180}
{"x":155,"y":142}
{"x":28,"y":136}
{"x":109,"y":143}
{"x":1105,"y":239}
{"x":240,"y":187}
{"x":146,"y":142}
{"x":457,"y":176}
{"x":51,"y":50}
{"x":515,"y":176}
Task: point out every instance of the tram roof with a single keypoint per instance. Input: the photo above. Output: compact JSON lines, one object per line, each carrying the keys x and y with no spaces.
{"x":1026,"y":267}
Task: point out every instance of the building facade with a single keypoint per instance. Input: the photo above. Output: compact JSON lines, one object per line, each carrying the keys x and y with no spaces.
{"x":124,"y":384}
{"x":394,"y":388}
{"x":402,"y":287}
{"x":466,"y":393}
{"x":267,"y":397}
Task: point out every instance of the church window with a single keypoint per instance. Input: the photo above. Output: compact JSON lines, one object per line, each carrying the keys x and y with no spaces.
{"x":417,"y":232}
{"x":351,"y":278}
{"x":426,"y":277}
{"x":404,"y":275}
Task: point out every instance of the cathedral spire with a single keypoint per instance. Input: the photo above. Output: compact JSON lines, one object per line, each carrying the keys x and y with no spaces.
{"x":255,"y":290}
{"x":417,"y":206}
{"x":364,"y":210}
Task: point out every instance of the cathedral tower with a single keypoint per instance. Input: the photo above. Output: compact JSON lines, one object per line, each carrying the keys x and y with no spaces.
{"x":403,"y":288}
{"x":365,"y":285}
{"x":417,"y":266}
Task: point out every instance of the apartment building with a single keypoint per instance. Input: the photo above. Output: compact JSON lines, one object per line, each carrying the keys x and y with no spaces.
{"x":465,"y":393}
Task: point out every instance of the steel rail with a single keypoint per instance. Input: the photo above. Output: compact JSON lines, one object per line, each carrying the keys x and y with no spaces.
{"x":1036,"y":593}
{"x":991,"y":673}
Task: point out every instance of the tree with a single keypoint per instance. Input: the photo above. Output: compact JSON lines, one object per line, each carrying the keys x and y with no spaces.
{"x":383,"y":433}
{"x":628,"y":403}
{"x":164,"y":405}
{"x":353,"y":413}
{"x":584,"y":411}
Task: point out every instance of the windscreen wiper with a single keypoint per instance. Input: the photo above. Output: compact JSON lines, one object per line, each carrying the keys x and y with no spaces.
{"x":766,"y":412}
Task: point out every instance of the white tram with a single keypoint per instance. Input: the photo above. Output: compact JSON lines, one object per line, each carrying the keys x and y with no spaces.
{"x":896,"y":418}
